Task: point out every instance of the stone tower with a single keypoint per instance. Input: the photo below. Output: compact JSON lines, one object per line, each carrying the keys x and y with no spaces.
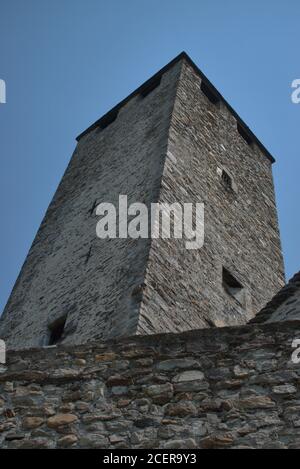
{"x":174,"y":139}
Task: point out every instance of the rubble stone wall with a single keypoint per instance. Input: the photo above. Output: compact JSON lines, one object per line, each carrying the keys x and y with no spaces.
{"x":233,"y":387}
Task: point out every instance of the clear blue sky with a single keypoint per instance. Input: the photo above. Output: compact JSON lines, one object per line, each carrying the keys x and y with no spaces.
{"x":66,"y":62}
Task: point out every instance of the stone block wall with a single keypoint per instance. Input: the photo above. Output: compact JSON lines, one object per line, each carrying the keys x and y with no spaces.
{"x":211,"y":388}
{"x":71,"y":272}
{"x":167,"y":146}
{"x":184,"y":288}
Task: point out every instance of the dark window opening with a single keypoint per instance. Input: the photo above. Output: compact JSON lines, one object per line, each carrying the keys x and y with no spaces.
{"x":108,"y":119}
{"x":148,"y":88}
{"x":244,"y":133}
{"x":57,"y":330}
{"x":227,"y":180}
{"x":232,"y":286}
{"x":209,"y":93}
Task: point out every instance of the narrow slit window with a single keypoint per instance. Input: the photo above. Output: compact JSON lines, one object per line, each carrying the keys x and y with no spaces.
{"x":209,"y":93}
{"x":232,"y":286}
{"x":56,"y":331}
{"x":149,"y":87}
{"x":227,"y":180}
{"x":244,"y":134}
{"x":108,"y":119}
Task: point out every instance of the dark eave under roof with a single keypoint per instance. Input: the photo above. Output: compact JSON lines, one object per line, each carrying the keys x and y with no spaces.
{"x":181,"y":56}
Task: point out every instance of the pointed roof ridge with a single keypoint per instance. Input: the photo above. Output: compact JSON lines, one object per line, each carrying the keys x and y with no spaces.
{"x":182,"y":56}
{"x":284,"y":294}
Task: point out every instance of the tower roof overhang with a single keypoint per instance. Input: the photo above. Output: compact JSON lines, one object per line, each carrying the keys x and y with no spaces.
{"x":156,"y":76}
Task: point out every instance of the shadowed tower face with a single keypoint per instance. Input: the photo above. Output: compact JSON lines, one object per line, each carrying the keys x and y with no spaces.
{"x":174,"y":139}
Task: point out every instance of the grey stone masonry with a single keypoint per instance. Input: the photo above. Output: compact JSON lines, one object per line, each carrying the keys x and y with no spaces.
{"x":285,"y":306}
{"x":184,"y":288}
{"x":175,"y":139}
{"x":233,"y":387}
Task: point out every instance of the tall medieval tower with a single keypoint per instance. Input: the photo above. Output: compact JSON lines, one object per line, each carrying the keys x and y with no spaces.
{"x":175,"y":139}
